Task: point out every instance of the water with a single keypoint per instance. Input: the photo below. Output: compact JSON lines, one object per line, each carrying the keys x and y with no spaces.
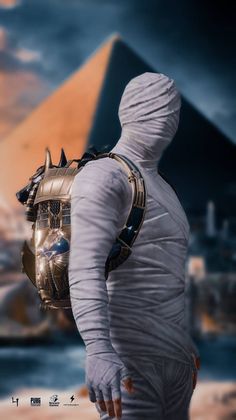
{"x":218,"y":358}
{"x":62,"y":366}
{"x":53,"y":367}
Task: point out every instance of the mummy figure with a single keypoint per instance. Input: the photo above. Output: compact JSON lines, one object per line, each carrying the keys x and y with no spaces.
{"x":141,"y":362}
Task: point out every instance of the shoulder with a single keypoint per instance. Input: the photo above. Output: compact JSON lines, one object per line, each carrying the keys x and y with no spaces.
{"x":104,"y":174}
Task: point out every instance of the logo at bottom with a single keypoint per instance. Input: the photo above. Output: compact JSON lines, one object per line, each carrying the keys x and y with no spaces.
{"x":72,"y":403}
{"x":35,"y":401}
{"x":15,"y":401}
{"x":53,"y":401}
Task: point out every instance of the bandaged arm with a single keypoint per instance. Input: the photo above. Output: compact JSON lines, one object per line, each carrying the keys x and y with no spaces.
{"x":98,"y":195}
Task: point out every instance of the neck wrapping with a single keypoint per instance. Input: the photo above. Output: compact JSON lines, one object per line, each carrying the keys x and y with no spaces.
{"x":125,"y":147}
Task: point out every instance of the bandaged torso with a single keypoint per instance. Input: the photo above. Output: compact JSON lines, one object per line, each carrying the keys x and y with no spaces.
{"x":142,"y":305}
{"x":147,"y":294}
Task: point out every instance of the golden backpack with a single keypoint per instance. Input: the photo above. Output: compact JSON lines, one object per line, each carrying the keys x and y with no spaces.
{"x":47,"y":197}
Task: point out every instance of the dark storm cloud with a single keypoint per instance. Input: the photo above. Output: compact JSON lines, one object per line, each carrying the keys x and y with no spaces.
{"x":188,"y":40}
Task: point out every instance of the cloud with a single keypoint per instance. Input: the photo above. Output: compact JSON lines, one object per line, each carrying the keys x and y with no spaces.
{"x":27,"y":56}
{"x":7,"y":48}
{"x":9,"y":4}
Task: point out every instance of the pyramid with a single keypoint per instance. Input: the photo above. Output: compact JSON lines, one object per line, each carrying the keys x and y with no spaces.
{"x":64,"y":119}
{"x":84,"y":110}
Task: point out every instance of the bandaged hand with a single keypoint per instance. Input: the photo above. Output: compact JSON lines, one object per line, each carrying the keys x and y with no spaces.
{"x":105,"y":372}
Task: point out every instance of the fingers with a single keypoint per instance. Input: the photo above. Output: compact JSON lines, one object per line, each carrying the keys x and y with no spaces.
{"x":117,"y":407}
{"x":102,"y":405}
{"x":109,"y":400}
{"x":99,"y":398}
{"x":92,"y":395}
{"x":110,"y":408}
{"x":113,"y":407}
{"x":116,"y":398}
{"x":107,"y":397}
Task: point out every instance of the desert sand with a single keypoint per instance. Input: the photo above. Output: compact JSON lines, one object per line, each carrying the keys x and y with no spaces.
{"x":210,"y":401}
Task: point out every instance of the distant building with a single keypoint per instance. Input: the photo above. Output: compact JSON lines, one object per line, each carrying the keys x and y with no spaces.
{"x":210,"y":220}
{"x":225,"y":229}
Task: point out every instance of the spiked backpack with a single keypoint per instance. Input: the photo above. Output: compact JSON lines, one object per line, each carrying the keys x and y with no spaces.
{"x":45,"y":256}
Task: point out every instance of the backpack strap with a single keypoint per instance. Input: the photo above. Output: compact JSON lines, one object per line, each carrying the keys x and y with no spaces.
{"x":121,"y":249}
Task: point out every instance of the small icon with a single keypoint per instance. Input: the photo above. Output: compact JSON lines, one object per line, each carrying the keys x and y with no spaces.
{"x":54,"y":398}
{"x":15,"y":401}
{"x":35,"y":401}
{"x":72,"y":403}
{"x":53,"y":401}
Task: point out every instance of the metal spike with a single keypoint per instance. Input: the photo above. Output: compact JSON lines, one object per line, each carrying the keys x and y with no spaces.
{"x":48,"y":161}
{"x":63,"y":160}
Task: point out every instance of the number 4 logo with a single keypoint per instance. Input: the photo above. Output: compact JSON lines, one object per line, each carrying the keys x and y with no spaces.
{"x":16,"y":401}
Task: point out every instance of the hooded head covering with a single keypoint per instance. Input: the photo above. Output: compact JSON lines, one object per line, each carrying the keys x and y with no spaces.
{"x":149,"y":116}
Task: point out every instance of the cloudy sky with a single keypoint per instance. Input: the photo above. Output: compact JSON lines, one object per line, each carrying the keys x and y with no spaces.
{"x":43,"y":41}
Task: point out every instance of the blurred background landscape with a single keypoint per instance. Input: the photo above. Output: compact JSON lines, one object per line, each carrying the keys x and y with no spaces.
{"x":63,"y":68}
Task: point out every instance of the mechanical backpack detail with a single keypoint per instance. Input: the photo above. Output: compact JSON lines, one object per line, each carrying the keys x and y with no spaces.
{"x":45,"y":256}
